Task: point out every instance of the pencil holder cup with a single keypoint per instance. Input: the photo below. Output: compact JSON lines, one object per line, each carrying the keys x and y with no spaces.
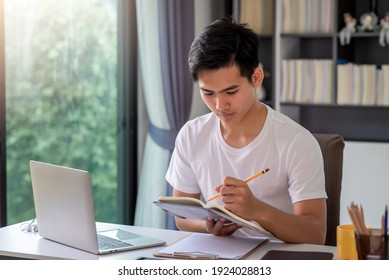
{"x":345,"y":243}
{"x":373,"y":246}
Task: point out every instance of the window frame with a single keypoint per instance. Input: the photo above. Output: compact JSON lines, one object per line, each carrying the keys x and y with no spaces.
{"x":3,"y":169}
{"x":127,"y":111}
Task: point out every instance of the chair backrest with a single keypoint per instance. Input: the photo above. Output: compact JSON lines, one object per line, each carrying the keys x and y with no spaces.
{"x":332,"y":146}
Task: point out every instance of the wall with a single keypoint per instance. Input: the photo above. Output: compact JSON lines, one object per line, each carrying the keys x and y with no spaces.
{"x":365,"y":180}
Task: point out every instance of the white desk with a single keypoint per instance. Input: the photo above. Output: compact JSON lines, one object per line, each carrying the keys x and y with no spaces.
{"x":15,"y":243}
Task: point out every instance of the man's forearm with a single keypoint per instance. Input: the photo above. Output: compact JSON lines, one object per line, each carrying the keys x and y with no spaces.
{"x":190,"y":225}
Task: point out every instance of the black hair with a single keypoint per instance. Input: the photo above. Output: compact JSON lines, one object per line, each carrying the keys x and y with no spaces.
{"x":222,"y":44}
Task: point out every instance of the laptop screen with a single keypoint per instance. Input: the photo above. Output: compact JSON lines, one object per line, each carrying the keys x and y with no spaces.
{"x":64,"y":205}
{"x":65,"y":214}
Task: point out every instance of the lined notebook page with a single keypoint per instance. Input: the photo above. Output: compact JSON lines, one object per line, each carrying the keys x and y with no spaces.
{"x":208,"y":245}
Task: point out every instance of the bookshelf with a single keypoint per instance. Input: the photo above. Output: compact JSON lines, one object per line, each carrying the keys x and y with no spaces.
{"x":314,"y":38}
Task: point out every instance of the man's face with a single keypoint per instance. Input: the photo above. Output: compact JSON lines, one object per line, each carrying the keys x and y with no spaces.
{"x":227,"y":94}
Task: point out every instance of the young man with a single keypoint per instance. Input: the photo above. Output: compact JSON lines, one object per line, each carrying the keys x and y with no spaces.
{"x":242,"y":136}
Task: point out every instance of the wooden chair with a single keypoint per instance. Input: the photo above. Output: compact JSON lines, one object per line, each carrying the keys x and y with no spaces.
{"x":332,"y":146}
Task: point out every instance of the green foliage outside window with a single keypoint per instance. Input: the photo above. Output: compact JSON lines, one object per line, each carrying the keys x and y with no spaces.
{"x":61,"y":96}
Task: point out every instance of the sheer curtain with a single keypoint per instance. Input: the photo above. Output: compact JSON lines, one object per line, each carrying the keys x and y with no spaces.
{"x":165,"y":31}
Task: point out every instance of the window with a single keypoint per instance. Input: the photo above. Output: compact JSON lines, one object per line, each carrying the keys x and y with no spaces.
{"x":62,"y":96}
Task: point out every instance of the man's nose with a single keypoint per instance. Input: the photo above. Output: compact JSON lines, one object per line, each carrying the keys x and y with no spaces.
{"x":222,"y":102}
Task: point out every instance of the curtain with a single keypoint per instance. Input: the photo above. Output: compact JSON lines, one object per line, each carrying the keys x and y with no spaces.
{"x":165,"y":33}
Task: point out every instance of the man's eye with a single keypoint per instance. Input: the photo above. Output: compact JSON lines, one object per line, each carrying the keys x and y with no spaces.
{"x":207,"y":93}
{"x":232,"y":92}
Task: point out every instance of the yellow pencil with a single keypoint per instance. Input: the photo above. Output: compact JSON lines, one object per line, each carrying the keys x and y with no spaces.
{"x":246,"y":180}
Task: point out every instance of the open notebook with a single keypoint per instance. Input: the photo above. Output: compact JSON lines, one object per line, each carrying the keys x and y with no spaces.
{"x":65,"y":213}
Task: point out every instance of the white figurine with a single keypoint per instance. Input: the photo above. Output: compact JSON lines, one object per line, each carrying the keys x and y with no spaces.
{"x":347,"y":30}
{"x":384,"y":33}
{"x":369,"y":22}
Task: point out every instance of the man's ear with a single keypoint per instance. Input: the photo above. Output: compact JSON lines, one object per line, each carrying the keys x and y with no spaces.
{"x":257,"y":77}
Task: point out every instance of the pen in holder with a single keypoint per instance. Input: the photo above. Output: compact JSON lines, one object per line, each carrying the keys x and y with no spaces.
{"x":385,"y":248}
{"x":373,"y":246}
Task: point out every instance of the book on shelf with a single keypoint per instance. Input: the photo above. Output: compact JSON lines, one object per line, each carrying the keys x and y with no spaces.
{"x":344,"y":84}
{"x":294,"y":15}
{"x":327,"y":96}
{"x":291,"y":74}
{"x":319,"y":83}
{"x":309,"y":82}
{"x":380,"y":94}
{"x":259,"y":14}
{"x":326,"y":16}
{"x":362,"y":84}
{"x":369,"y":84}
{"x":306,"y":81}
{"x":299,"y":94}
{"x":286,"y":17}
{"x":385,"y":84}
{"x":302,"y":16}
{"x":284,"y":81}
{"x":357,"y":77}
{"x":192,"y":208}
{"x":307,"y":16}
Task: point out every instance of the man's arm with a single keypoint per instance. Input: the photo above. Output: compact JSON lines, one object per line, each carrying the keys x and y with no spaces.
{"x":307,"y":224}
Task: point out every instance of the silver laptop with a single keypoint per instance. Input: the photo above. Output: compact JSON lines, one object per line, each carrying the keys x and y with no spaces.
{"x":65,"y":214}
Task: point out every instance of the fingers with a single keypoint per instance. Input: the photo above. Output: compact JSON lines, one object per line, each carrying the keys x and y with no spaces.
{"x":234,"y":193}
{"x":221,"y":227}
{"x":217,"y":189}
{"x":237,"y":197}
{"x":230,"y":182}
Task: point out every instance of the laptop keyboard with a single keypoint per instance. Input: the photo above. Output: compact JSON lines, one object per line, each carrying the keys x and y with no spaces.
{"x":106,"y":243}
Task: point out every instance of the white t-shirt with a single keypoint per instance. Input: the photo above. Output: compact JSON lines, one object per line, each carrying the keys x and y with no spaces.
{"x":201,"y":159}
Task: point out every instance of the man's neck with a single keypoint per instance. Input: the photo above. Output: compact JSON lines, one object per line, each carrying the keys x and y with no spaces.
{"x":241,"y":134}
